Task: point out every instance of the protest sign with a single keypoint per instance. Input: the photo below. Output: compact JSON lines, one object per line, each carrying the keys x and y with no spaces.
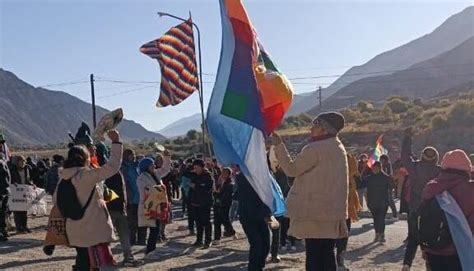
{"x":27,"y":198}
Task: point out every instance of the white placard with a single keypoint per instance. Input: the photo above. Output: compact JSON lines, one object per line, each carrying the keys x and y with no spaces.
{"x":27,"y":198}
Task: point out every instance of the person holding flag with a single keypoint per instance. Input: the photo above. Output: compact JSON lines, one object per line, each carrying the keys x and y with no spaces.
{"x":317,"y":201}
{"x":249,"y":100}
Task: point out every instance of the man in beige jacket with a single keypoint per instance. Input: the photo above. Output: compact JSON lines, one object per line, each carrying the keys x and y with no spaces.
{"x":317,"y":201}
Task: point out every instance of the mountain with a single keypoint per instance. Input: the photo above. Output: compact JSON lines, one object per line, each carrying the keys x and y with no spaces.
{"x":422,"y":80}
{"x":182,"y":126}
{"x":37,"y":116}
{"x":302,"y":103}
{"x":454,"y":31}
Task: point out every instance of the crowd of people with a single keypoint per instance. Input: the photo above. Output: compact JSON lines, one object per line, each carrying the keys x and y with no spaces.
{"x":325,"y":188}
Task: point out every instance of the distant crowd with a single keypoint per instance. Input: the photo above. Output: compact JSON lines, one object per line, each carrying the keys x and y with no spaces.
{"x":99,"y":191}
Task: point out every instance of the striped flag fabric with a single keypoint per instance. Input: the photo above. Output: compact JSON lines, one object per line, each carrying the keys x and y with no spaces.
{"x":379,"y":150}
{"x":176,"y":54}
{"x":249,"y":100}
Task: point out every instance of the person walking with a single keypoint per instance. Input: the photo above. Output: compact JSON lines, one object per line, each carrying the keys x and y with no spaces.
{"x":364,"y":171}
{"x":454,"y":183}
{"x":420,"y":173}
{"x":388,"y":170}
{"x":317,"y":201}
{"x":5,"y":181}
{"x":378,"y":186}
{"x":92,"y":233}
{"x":20,"y":175}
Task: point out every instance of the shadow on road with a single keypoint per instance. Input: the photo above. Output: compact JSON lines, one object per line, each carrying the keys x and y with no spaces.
{"x":16,"y":244}
{"x":18,"y":264}
{"x":392,"y":256}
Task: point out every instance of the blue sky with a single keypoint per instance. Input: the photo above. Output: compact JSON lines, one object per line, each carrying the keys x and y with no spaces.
{"x":50,"y":42}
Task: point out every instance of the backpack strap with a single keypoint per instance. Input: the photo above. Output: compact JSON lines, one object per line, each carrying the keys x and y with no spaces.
{"x":88,"y":200}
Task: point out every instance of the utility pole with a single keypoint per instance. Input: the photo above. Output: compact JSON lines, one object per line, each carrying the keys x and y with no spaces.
{"x":94,"y":119}
{"x":320,"y":99}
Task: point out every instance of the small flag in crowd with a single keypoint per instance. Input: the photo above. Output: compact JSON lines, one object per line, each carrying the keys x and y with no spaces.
{"x":379,"y":150}
{"x":249,"y":100}
{"x":176,"y":55}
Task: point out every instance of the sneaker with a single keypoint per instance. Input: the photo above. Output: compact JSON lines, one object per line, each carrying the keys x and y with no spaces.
{"x":382,"y":238}
{"x":207,"y":246}
{"x":27,"y":230}
{"x":275,"y":259}
{"x":283,"y":247}
{"x":376,"y":238}
{"x":293,"y":248}
{"x":132,"y":263}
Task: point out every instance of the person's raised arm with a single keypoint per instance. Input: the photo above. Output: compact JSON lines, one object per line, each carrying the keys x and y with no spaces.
{"x":406,"y":153}
{"x":304,"y":161}
{"x":166,"y":167}
{"x":112,"y":166}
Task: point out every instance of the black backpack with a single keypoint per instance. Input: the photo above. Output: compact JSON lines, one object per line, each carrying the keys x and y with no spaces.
{"x":432,"y":226}
{"x":68,"y":202}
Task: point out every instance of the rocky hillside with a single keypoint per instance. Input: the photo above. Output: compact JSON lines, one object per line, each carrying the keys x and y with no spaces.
{"x":37,"y":116}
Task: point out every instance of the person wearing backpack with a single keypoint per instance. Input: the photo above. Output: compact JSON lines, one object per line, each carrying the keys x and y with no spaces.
{"x":147,"y":181}
{"x":88,"y":224}
{"x":378,"y":188}
{"x":421,"y":172}
{"x":455,"y":178}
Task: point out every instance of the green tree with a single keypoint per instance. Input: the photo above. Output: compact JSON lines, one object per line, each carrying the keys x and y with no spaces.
{"x":364,"y":106}
{"x":397,"y":105}
{"x":192,"y":135}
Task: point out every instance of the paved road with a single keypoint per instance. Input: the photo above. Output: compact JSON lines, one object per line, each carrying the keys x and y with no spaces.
{"x":23,"y":252}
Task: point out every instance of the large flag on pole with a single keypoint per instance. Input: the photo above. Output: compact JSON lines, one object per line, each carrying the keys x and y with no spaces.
{"x":176,"y":54}
{"x":249,"y":100}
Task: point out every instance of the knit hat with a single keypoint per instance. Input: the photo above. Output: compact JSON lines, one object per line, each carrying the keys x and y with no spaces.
{"x":430,"y":154}
{"x":456,"y":159}
{"x":332,"y":122}
{"x":145,"y":163}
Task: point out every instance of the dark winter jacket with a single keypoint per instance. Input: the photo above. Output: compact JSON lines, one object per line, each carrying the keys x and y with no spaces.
{"x":462,"y":190}
{"x":5,"y":179}
{"x":117,"y":184}
{"x":16,"y":178}
{"x":364,"y":172}
{"x":202,"y":192}
{"x":378,"y":187}
{"x":52,"y":179}
{"x":282,"y":181}
{"x":251,"y":207}
{"x":420,"y":172}
{"x":224,"y":196}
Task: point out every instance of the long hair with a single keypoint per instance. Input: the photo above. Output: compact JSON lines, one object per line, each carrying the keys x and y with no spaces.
{"x":77,"y":156}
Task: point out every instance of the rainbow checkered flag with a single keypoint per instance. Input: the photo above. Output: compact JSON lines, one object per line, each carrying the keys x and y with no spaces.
{"x":379,"y":150}
{"x":176,"y":54}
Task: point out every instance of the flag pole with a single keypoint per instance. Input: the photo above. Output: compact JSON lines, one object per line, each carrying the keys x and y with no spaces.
{"x":200,"y":90}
